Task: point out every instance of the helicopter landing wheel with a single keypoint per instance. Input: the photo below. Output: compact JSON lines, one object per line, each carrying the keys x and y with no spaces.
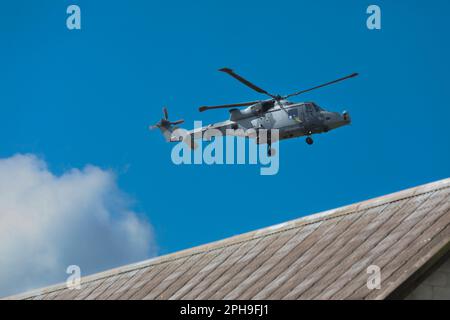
{"x":271,"y":152}
{"x":309,"y":141}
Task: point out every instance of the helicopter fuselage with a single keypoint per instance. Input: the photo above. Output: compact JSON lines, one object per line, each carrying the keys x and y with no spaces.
{"x":292,"y":120}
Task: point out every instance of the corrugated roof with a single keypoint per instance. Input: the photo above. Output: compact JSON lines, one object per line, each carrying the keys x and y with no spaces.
{"x":322,"y":256}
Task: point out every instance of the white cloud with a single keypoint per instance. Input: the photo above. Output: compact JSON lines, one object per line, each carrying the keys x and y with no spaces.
{"x":48,"y":222}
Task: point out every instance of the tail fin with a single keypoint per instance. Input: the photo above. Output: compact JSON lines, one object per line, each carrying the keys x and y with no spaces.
{"x":166,"y":126}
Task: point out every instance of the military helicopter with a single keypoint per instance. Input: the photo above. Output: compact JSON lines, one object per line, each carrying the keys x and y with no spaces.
{"x":292,"y":119}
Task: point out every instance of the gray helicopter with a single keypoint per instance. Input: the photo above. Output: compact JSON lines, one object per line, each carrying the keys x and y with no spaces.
{"x":291,"y":119}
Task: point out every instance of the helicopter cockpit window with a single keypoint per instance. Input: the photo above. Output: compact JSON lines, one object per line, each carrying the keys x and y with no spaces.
{"x":293,"y":113}
{"x":309,"y":108}
{"x":316,"y":107}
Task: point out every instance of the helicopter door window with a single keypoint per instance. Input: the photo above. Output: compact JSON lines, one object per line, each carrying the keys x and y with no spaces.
{"x":293,"y":113}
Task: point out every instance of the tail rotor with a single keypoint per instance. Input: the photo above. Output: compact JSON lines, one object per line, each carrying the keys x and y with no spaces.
{"x":165,"y":123}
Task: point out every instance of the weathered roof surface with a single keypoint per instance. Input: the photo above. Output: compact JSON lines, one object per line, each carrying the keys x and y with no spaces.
{"x":323,"y":256}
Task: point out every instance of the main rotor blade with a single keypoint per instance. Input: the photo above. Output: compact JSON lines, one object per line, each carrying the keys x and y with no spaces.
{"x":166,"y":113}
{"x":177,"y":122}
{"x":243,"y":104}
{"x":322,"y":85}
{"x":245,"y":81}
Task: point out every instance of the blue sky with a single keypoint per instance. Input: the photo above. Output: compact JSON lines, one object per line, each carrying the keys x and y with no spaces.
{"x":86,"y":97}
